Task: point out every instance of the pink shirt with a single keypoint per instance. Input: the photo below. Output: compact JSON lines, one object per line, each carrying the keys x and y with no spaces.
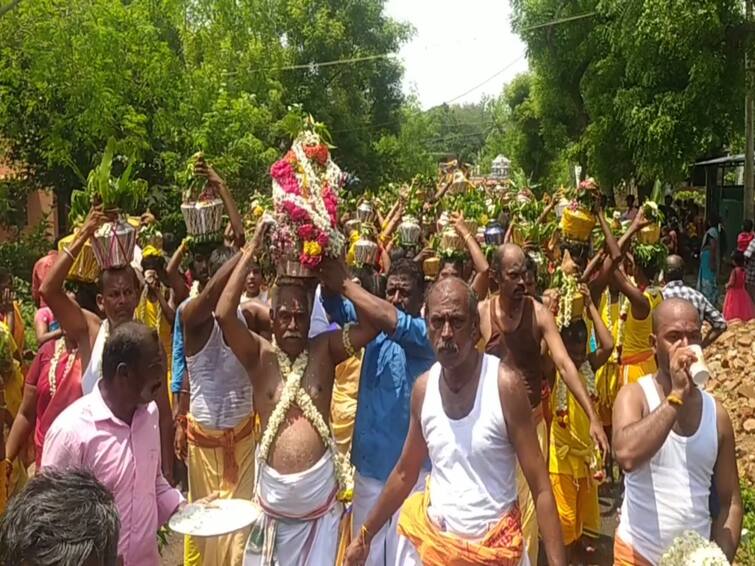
{"x":126,"y":459}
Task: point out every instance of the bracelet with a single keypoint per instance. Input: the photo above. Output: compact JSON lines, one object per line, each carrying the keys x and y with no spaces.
{"x":68,"y":252}
{"x":346,"y":339}
{"x":674,"y":400}
{"x":469,"y":235}
{"x":363,"y":534}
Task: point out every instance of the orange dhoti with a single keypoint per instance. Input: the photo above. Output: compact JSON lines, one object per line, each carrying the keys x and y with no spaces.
{"x":637,"y":365}
{"x":503,"y":545}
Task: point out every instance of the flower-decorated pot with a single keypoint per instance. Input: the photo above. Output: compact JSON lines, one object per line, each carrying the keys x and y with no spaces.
{"x":204,"y":219}
{"x":292,"y":267}
{"x":366,"y":213}
{"x":85,"y":268}
{"x":366,"y":252}
{"x":113,"y":244}
{"x":577,"y":224}
{"x":494,"y":234}
{"x":409,"y":231}
{"x":450,"y":241}
{"x":431,"y":267}
{"x":650,"y":234}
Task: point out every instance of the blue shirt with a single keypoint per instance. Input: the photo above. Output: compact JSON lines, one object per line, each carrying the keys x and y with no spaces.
{"x":179,"y":360}
{"x":390,"y":366}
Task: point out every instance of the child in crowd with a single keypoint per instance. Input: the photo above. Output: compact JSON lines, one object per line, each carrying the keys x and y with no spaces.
{"x":745,"y":236}
{"x":738,"y":304}
{"x":575,"y":464}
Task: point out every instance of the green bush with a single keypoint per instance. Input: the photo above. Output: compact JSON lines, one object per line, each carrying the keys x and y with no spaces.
{"x":19,"y":254}
{"x":746,"y":553}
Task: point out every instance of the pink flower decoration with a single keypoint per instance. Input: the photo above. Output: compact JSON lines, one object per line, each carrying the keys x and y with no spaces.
{"x":323,"y":239}
{"x":307,"y":232}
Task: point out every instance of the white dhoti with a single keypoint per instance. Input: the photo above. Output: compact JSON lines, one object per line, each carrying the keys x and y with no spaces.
{"x":388,"y":547}
{"x":306,"y":512}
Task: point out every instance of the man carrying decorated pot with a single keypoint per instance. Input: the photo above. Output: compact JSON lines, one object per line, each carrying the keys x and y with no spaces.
{"x":302,"y":477}
{"x":213,"y":397}
{"x":391,"y":364}
{"x":117,"y":299}
{"x":513,"y":326}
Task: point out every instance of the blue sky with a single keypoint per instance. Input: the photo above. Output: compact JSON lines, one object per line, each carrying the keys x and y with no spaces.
{"x":457,"y":46}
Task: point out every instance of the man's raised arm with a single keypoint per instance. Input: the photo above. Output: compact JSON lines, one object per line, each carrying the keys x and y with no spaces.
{"x":70,"y":315}
{"x":245,"y":344}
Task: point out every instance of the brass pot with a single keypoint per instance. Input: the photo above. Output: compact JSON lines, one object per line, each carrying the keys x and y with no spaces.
{"x":451,"y":241}
{"x":431,"y":267}
{"x":292,"y":267}
{"x":650,"y":234}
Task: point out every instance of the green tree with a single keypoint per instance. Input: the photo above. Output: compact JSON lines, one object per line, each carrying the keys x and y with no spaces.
{"x":641,"y":89}
{"x":170,"y":77}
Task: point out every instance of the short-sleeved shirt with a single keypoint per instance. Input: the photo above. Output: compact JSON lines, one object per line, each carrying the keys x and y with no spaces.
{"x":705,"y":309}
{"x":390,"y":366}
{"x":125,"y":458}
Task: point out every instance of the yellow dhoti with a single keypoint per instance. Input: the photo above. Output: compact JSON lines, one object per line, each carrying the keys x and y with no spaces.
{"x":530,"y":530}
{"x":343,"y":406}
{"x":220,"y":461}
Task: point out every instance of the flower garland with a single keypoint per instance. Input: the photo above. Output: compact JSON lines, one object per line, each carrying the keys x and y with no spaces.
{"x":691,"y":549}
{"x":620,"y":329}
{"x":60,"y":347}
{"x":305,"y":185}
{"x":294,"y":393}
{"x":194,"y":291}
{"x":562,"y":400}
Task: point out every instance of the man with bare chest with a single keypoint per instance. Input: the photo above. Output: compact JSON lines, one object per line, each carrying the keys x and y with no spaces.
{"x":301,"y":475}
{"x":513,"y":326}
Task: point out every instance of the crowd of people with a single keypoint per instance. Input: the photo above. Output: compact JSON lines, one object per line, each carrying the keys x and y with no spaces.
{"x":377,"y":414}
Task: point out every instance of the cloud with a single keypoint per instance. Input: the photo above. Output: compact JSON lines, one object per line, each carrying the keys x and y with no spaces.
{"x":458,"y":46}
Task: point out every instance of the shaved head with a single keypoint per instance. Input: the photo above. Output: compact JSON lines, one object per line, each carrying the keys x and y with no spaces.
{"x":453,"y":322}
{"x":674,"y":268}
{"x":458,"y":289}
{"x":672,"y":310}
{"x":509,"y":253}
{"x":509,"y":270}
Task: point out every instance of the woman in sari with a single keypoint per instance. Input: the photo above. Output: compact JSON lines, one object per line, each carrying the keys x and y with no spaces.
{"x":707,"y":280}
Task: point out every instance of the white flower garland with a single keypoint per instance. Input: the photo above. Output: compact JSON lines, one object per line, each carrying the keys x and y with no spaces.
{"x":690,"y":549}
{"x":106,"y":327}
{"x":294,"y":393}
{"x":194,"y":291}
{"x":308,"y":178}
{"x":60,"y":347}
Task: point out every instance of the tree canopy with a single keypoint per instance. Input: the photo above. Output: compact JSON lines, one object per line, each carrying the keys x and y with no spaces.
{"x":168,"y":78}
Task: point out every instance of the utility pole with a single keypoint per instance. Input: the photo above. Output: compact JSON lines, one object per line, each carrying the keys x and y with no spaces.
{"x":749,"y":173}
